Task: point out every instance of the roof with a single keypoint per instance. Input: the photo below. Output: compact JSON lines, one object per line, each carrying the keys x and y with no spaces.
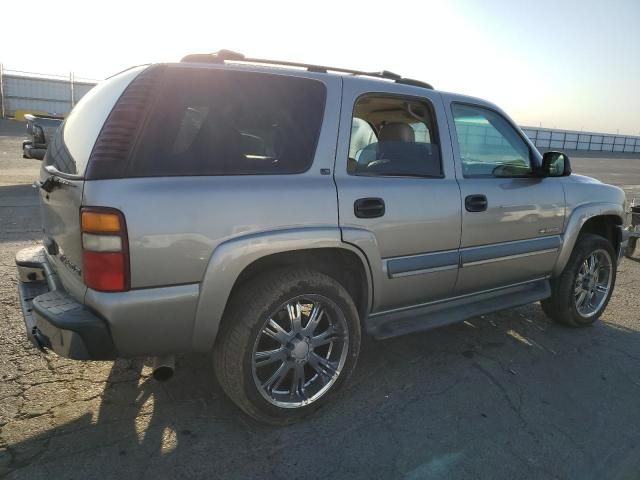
{"x":227,"y":56}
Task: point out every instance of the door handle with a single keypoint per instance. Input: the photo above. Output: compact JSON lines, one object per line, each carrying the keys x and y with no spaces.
{"x":476,"y":203}
{"x":369,"y":207}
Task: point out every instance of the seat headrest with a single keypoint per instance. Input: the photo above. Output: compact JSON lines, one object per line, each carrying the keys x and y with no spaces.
{"x":397,"y":132}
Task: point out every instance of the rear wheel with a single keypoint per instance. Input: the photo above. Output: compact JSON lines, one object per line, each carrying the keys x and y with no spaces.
{"x":289,"y":339}
{"x":581,"y":293}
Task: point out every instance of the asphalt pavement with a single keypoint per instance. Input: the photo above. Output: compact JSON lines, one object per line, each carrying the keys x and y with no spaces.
{"x":503,"y":396}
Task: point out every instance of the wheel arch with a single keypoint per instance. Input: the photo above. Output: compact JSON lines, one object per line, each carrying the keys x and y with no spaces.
{"x":604,"y":219}
{"x":235,"y":261}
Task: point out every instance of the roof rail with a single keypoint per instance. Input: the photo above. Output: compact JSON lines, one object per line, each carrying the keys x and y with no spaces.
{"x":223,"y":56}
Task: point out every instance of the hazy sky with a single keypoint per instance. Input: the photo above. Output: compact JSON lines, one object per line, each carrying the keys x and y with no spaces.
{"x":565,"y":64}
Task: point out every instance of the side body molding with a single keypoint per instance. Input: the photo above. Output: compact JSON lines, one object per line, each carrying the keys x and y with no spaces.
{"x":230,"y":258}
{"x":577,"y":219}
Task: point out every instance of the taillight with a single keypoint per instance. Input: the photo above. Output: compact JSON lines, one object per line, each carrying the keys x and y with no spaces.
{"x":105,"y":249}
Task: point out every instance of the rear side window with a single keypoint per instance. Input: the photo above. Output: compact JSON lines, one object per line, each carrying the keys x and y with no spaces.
{"x":215,"y":122}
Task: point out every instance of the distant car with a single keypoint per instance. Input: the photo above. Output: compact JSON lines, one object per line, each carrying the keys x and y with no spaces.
{"x":40,"y":129}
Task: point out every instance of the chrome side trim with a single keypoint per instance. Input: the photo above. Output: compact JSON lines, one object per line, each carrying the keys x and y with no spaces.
{"x":471,"y":255}
{"x":509,"y":257}
{"x":422,"y":263}
{"x":423,"y":271}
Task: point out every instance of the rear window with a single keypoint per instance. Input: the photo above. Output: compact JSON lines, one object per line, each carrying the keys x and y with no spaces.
{"x":71,"y":146}
{"x":215,"y":122}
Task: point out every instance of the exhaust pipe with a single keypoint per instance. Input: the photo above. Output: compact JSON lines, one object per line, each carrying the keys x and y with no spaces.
{"x":163,"y":367}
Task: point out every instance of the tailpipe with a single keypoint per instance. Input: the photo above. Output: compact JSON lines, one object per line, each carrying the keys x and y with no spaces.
{"x":163,"y":367}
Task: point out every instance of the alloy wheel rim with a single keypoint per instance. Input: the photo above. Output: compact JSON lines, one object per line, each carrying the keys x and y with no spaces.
{"x":300,"y":351}
{"x":593,"y":283}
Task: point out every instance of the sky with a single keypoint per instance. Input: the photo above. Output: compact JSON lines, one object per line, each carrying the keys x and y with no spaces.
{"x":552,"y":63}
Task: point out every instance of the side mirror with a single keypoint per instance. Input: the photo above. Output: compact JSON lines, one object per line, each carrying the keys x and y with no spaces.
{"x":555,"y":164}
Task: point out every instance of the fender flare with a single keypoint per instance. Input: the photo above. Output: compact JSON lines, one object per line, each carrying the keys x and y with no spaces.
{"x":231,"y":257}
{"x":577,"y":219}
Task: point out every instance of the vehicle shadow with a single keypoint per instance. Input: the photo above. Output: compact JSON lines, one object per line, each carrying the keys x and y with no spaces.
{"x":508,"y":395}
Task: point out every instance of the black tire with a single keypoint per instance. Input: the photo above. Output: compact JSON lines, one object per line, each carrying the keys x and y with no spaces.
{"x":250,"y":306}
{"x":561,"y":306}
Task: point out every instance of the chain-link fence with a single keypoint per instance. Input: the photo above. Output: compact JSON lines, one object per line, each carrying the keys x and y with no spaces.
{"x":546,"y":138}
{"x":22,"y":92}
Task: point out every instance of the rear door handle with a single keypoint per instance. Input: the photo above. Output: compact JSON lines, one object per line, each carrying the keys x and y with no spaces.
{"x":476,"y":203}
{"x":369,"y":207}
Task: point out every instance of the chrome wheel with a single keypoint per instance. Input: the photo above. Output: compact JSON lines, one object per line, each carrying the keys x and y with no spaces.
{"x":300,"y":351}
{"x":593,"y":283}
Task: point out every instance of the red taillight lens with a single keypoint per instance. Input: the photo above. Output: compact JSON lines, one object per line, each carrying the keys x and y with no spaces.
{"x":104,"y":271}
{"x":105,"y":252}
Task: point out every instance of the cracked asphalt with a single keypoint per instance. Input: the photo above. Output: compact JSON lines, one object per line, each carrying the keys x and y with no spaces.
{"x":503,"y":396}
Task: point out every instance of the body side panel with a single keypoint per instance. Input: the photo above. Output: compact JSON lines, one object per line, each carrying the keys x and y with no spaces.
{"x":586,"y":198}
{"x":175,"y":223}
{"x":422,"y":214}
{"x":499,"y":246}
{"x":148,"y":322}
{"x":230,"y":258}
{"x":577,"y":219}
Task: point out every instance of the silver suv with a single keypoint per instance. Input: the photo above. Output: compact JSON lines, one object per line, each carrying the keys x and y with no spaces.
{"x":272,"y":213}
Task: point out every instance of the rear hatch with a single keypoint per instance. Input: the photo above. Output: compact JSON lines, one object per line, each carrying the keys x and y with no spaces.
{"x":62,"y":178}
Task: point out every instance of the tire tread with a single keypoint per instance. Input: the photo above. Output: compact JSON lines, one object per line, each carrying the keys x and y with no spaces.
{"x":558,"y":307}
{"x":233,"y":337}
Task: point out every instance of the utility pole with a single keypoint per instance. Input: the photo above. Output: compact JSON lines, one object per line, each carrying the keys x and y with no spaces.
{"x":73,"y":93}
{"x":1,"y":91}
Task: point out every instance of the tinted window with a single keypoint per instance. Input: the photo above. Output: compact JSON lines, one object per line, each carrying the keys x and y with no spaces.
{"x":71,"y":146}
{"x":58,"y":156}
{"x":231,"y":123}
{"x":392,"y":136}
{"x":489,"y":145}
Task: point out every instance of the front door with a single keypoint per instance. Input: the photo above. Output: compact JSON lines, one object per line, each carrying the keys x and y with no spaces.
{"x":398,"y":197}
{"x":511,"y":219}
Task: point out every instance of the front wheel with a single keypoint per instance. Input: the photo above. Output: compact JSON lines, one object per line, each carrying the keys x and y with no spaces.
{"x":581,"y":293}
{"x":289,"y":339}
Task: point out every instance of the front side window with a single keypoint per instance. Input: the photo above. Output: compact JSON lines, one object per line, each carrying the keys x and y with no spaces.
{"x":216,"y":122}
{"x":489,"y":145}
{"x":392,"y":136}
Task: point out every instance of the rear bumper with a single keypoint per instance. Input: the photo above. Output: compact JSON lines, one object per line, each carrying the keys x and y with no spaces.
{"x":55,"y":320}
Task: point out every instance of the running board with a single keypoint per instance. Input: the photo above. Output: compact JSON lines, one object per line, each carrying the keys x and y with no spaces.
{"x":454,"y":310}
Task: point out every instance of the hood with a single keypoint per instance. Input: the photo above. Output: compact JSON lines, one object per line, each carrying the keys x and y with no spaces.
{"x":582,"y":179}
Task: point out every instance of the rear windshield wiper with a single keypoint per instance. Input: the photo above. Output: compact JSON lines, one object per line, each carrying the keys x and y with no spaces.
{"x":51,"y":182}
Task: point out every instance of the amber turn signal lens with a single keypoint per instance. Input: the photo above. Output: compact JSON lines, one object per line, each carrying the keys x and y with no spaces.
{"x":100,"y":222}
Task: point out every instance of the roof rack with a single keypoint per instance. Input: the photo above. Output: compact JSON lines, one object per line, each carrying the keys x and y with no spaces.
{"x":223,"y":56}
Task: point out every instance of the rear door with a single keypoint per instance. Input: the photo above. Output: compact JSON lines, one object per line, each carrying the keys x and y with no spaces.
{"x":60,"y":201}
{"x":62,"y":178}
{"x":511,"y":219}
{"x":398,"y":198}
